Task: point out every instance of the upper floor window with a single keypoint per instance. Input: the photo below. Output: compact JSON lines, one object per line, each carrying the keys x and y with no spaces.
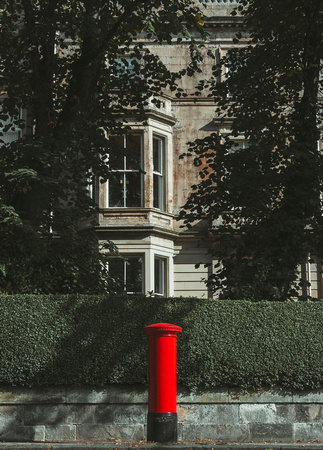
{"x":125,"y":65}
{"x":10,"y":130}
{"x":125,"y":160}
{"x":158,"y":172}
{"x":139,"y":164}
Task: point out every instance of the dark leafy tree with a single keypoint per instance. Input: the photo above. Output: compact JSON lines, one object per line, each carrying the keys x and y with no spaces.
{"x":69,"y":70}
{"x":262,"y":200}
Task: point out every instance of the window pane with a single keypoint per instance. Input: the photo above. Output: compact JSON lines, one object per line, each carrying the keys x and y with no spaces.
{"x":125,"y":70}
{"x":91,"y":184}
{"x":125,"y":188}
{"x":134,"y":270}
{"x":158,"y":173}
{"x":128,"y":271}
{"x":116,"y":271}
{"x":133,"y":192}
{"x":133,"y":152}
{"x":116,"y":190}
{"x":160,"y":276}
{"x":158,"y":192}
{"x":157,"y":155}
{"x":116,"y":153}
{"x":14,"y":132}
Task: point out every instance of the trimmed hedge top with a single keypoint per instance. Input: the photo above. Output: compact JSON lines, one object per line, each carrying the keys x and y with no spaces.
{"x":96,"y":340}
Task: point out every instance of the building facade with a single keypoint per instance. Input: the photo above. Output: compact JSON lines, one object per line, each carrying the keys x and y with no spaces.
{"x":140,"y":203}
{"x":139,"y":209}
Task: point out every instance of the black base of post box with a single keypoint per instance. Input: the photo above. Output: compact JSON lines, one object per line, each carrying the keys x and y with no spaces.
{"x":162,"y":427}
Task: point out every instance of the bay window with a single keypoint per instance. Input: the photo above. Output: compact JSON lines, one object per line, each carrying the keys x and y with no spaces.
{"x":128,"y":270}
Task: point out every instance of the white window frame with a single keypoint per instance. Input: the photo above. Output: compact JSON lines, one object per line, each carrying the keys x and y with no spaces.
{"x":91,"y":184}
{"x":160,"y":288}
{"x":159,"y":172}
{"x":239,"y":144}
{"x":125,"y":258}
{"x":124,"y":171}
{"x":155,"y":248}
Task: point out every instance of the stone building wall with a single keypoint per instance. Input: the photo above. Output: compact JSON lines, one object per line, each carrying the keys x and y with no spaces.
{"x":120,"y":412}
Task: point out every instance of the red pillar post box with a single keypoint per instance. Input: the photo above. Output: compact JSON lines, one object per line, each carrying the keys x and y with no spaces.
{"x":162,"y":378}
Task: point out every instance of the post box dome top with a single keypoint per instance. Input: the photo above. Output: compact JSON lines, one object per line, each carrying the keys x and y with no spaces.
{"x":162,"y":328}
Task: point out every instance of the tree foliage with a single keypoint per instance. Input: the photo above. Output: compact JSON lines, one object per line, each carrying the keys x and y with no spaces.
{"x":261,"y":183}
{"x":69,"y":70}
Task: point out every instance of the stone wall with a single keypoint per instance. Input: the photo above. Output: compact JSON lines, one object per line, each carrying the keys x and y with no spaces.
{"x":119,"y":412}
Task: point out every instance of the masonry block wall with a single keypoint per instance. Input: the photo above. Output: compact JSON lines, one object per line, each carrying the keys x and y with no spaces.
{"x":120,"y":412}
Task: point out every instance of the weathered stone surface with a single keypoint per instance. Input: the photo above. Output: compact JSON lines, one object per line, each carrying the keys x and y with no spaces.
{"x":228,"y":432}
{"x":109,"y":394}
{"x":109,"y":415}
{"x":11,"y":415}
{"x":308,"y":431}
{"x":219,"y":414}
{"x":315,"y":396}
{"x":60,"y":433}
{"x":130,"y":414}
{"x":11,"y":425}
{"x":188,"y":413}
{"x":258,"y":413}
{"x":285,"y":413}
{"x":103,"y":432}
{"x":219,"y":396}
{"x":179,"y":431}
{"x":308,"y":412}
{"x":17,"y":434}
{"x":271,"y":432}
{"x":39,"y":433}
{"x":95,"y":414}
{"x":259,"y":396}
{"x":15,"y":395}
{"x":49,"y":414}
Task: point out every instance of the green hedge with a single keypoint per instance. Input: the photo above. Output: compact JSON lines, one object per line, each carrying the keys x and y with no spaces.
{"x":77,"y":340}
